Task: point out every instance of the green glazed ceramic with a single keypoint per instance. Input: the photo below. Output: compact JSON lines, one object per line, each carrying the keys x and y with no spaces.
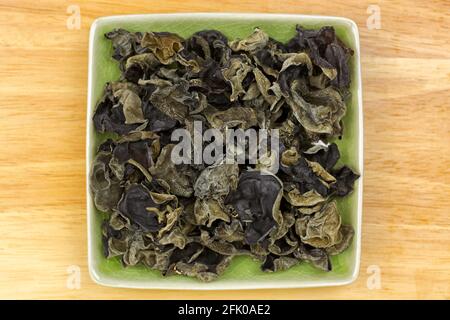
{"x":244,"y":273}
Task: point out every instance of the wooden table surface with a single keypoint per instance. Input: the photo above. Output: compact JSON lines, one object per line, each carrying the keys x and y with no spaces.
{"x":406,"y":82}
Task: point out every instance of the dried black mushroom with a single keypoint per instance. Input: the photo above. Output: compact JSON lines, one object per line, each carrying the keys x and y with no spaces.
{"x":135,"y":205}
{"x":326,"y":51}
{"x":256,"y":201}
{"x":105,"y":185}
{"x":192,"y":219}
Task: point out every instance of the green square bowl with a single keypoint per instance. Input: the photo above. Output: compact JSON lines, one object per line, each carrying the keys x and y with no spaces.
{"x":243,"y":273}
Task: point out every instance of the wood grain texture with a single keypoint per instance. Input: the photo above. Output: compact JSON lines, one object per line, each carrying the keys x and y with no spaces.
{"x":406,"y":82}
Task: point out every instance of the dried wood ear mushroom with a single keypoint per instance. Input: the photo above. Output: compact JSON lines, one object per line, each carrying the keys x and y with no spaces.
{"x":192,"y":218}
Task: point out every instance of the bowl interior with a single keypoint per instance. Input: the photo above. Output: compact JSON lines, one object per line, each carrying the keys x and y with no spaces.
{"x":243,"y":272}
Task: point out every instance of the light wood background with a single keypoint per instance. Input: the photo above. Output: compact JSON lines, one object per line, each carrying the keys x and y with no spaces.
{"x":406,"y":81}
